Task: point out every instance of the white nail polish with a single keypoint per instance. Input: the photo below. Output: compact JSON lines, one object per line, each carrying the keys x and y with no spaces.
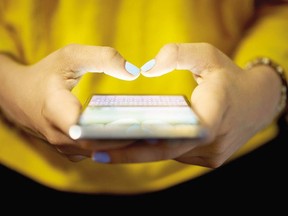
{"x":132,"y":69}
{"x":148,"y":65}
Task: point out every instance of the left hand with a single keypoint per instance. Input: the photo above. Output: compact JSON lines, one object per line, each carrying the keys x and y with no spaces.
{"x":234,"y":104}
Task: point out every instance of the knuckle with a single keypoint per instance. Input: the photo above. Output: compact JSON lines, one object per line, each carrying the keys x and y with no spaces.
{"x":70,"y":48}
{"x":212,"y":53}
{"x":208,"y":47}
{"x":47,"y":106}
{"x":109,"y":53}
{"x":69,"y":53}
{"x":214,"y":163}
{"x":54,"y":137}
{"x":170,"y":48}
{"x":217,"y":156}
{"x":217,"y":150}
{"x":169,"y":54}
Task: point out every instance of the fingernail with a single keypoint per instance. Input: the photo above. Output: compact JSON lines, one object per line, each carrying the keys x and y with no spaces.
{"x":76,"y":158}
{"x":132,"y":69}
{"x":148,"y":65}
{"x":101,"y":157}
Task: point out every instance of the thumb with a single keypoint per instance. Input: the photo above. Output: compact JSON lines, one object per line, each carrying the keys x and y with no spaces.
{"x":98,"y":59}
{"x":201,"y":59}
{"x":195,"y":57}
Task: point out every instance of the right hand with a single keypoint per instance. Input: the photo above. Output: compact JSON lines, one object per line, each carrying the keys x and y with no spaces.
{"x":38,"y":98}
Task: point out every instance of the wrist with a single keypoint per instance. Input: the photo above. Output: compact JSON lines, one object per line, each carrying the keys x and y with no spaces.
{"x":283,"y":87}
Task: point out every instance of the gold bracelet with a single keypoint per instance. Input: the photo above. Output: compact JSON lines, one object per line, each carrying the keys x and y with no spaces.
{"x":282,"y":107}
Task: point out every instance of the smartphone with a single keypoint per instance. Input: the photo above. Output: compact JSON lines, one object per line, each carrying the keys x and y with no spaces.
{"x":138,"y":117}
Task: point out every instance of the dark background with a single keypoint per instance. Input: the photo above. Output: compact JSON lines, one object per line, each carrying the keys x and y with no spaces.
{"x":255,"y":182}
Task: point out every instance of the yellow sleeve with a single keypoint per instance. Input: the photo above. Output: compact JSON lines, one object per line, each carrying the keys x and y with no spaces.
{"x":7,"y":33}
{"x":268,"y":36}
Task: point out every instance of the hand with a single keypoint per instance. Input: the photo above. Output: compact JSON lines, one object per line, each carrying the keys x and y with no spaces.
{"x":38,"y":98}
{"x":234,"y":104}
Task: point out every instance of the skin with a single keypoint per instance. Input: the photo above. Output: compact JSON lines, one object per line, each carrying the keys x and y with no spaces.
{"x":54,"y":108}
{"x":233,"y":103}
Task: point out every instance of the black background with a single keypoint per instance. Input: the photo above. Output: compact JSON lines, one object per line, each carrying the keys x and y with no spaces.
{"x":255,"y":182}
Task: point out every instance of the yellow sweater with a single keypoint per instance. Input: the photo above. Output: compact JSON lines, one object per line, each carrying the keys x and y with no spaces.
{"x":32,"y":29}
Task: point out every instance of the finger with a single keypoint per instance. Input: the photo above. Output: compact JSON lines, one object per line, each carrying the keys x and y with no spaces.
{"x":196,"y":57}
{"x":98,"y":59}
{"x":201,"y":59}
{"x":141,"y":152}
{"x":76,"y":158}
{"x":61,"y":109}
{"x":104,"y":145}
{"x":213,"y":155}
{"x":73,"y":150}
{"x":204,"y":97}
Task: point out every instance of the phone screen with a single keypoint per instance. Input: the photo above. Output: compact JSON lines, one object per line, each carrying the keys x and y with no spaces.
{"x":137,"y":117}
